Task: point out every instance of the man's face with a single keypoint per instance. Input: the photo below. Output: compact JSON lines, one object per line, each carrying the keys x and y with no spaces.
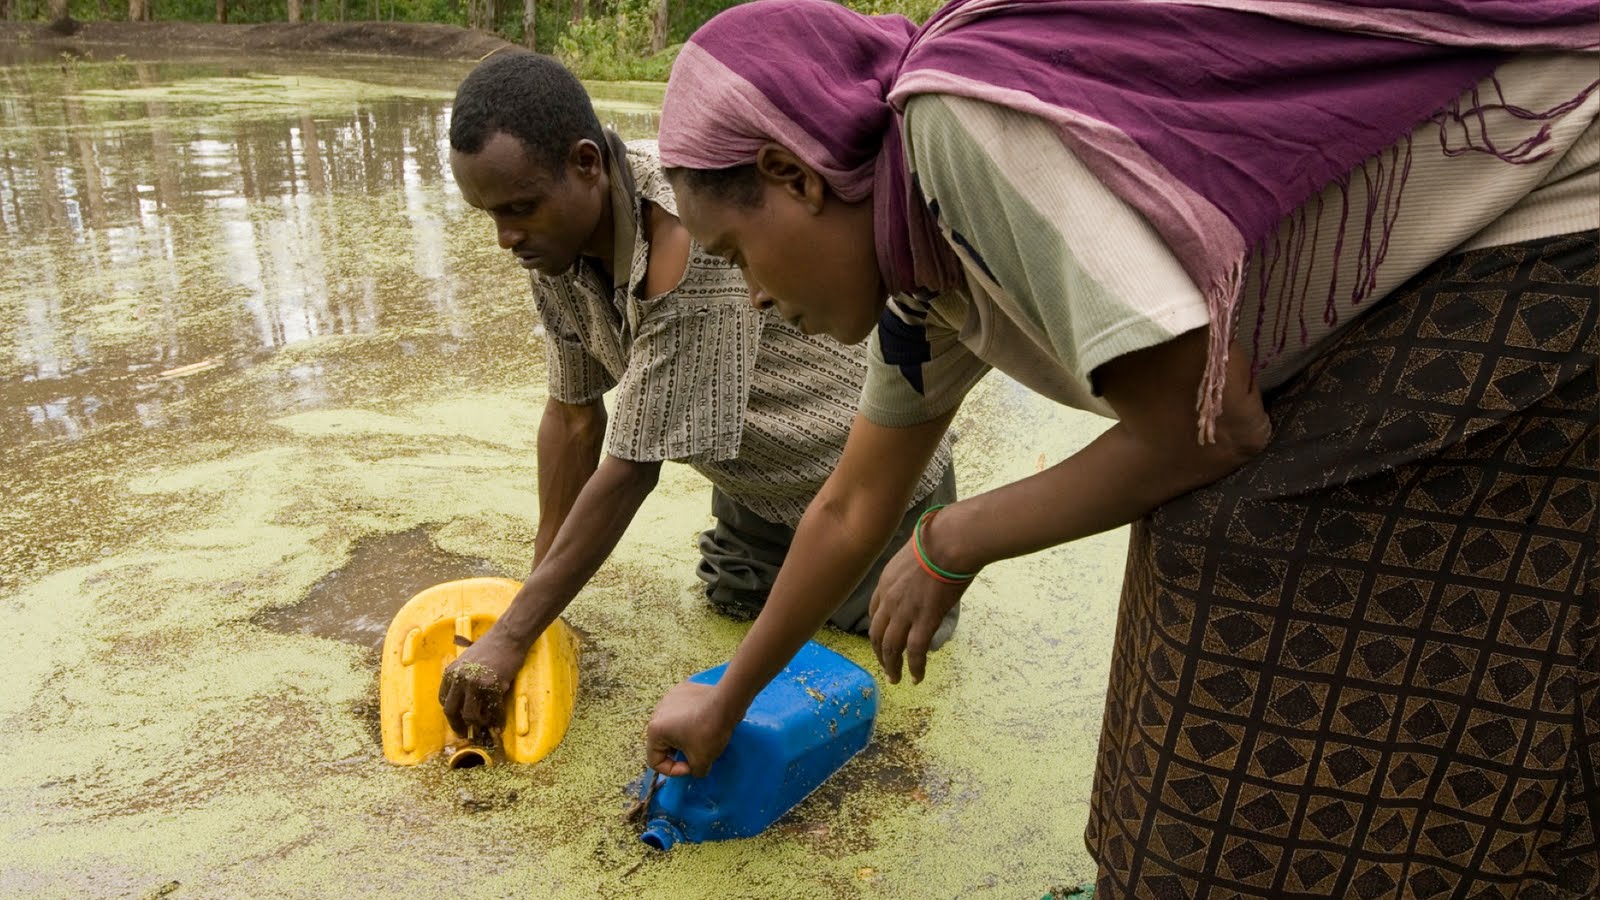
{"x":544,"y":217}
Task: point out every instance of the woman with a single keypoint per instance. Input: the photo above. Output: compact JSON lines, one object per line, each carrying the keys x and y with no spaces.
{"x":1331,"y":269}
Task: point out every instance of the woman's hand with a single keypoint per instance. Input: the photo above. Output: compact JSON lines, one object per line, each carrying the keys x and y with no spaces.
{"x":692,"y":719}
{"x":907,"y":608}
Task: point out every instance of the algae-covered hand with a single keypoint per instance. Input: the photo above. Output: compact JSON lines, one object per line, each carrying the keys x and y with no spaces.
{"x":473,"y":689}
{"x":695,"y":720}
{"x":907,"y":608}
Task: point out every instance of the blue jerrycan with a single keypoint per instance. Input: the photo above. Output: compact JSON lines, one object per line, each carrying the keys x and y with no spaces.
{"x":801,"y":728}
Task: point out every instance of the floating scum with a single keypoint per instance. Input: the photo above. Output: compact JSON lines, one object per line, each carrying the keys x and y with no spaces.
{"x":163,"y":737}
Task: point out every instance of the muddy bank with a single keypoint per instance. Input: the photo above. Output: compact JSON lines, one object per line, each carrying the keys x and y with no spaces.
{"x":407,"y":39}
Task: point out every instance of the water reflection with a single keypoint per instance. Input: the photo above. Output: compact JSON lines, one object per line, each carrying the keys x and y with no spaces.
{"x":166,"y":224}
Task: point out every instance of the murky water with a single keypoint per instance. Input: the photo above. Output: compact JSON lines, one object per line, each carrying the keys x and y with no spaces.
{"x":263,"y":375}
{"x":357,"y":601}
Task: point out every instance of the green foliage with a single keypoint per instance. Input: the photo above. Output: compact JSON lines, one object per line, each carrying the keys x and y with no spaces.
{"x":915,"y":10}
{"x":611,"y":42}
{"x":687,"y":15}
{"x":616,"y":46}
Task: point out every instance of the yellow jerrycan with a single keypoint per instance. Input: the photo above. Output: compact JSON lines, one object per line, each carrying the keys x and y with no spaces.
{"x":421,"y":644}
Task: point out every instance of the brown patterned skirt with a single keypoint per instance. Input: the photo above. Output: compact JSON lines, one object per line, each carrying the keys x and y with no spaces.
{"x":1368,"y":663}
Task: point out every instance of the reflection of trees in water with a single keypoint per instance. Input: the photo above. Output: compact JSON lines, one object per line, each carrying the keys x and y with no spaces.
{"x":155,"y":247}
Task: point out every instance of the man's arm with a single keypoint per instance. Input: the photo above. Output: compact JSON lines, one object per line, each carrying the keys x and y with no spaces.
{"x":844,"y":529}
{"x":584,"y":511}
{"x":570,"y":440}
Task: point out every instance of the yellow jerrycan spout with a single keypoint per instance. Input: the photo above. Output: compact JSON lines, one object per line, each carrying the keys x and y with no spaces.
{"x":471,"y":756}
{"x":422,"y":642}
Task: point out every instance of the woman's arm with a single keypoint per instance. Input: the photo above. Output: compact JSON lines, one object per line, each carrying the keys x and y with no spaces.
{"x":844,"y":529}
{"x":1150,"y":456}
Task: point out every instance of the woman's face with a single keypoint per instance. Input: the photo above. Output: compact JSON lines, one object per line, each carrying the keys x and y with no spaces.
{"x":802,"y":250}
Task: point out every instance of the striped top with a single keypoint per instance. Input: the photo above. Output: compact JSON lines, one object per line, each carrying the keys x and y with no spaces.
{"x":1062,"y":275}
{"x":754,"y":404}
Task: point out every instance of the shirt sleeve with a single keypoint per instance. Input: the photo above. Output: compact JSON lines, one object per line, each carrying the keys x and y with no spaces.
{"x":575,"y":376}
{"x":1073,"y":263}
{"x":917,"y":368}
{"x":690,"y":369}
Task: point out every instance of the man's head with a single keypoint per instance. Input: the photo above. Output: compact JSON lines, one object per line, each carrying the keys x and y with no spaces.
{"x":527,"y":148}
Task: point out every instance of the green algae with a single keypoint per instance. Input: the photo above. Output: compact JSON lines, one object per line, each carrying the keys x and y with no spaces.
{"x":278,"y":93}
{"x":157,"y":734}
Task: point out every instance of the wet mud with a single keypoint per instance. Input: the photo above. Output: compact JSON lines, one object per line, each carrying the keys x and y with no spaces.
{"x":357,"y":601}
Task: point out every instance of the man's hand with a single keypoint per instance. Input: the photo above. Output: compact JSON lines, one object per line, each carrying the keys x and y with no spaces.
{"x":907,"y":608}
{"x":473,"y":689}
{"x":692,"y":719}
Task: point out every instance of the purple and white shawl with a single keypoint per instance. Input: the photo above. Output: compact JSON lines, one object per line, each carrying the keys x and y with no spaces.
{"x":1214,"y":118}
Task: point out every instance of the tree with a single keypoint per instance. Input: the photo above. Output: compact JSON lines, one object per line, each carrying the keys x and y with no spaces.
{"x":530,"y":19}
{"x":294,"y":11}
{"x":659,"y":29}
{"x":222,"y":12}
{"x":139,"y":11}
{"x":58,"y":11}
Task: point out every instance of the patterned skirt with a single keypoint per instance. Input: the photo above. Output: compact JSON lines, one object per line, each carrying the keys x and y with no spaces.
{"x":1368,"y":663}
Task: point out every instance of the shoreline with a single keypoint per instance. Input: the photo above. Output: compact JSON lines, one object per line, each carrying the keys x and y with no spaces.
{"x":380,"y":39}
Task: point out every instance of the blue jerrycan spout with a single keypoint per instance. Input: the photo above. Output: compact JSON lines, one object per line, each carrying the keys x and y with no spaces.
{"x":816,"y":714}
{"x":660,"y":834}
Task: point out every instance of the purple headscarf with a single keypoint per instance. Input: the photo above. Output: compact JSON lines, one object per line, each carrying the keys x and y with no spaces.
{"x":1213,"y":118}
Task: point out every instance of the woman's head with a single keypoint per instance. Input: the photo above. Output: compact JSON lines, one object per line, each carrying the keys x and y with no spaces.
{"x":804,"y":251}
{"x":774,"y":149}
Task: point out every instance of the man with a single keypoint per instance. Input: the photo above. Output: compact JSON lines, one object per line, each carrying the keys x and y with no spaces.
{"x":703,"y":375}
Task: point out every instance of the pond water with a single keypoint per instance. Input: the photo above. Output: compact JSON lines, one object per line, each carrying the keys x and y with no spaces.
{"x":263,"y":375}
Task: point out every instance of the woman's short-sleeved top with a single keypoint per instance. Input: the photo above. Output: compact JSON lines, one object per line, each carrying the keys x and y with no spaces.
{"x":1063,"y":276}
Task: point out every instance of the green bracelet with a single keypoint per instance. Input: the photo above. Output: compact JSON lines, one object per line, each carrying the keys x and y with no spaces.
{"x":916,"y":543}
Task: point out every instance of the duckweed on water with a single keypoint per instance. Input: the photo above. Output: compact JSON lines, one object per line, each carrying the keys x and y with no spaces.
{"x":261,"y":92}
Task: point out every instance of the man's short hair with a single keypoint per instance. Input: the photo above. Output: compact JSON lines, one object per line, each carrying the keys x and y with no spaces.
{"x":529,"y":96}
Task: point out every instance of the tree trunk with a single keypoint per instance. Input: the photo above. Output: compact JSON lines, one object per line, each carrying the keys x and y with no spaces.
{"x":222,"y":12}
{"x":294,"y":11}
{"x":578,"y":10}
{"x":5,"y":10}
{"x":316,"y":10}
{"x":530,"y":19}
{"x":58,"y":10}
{"x":658,"y":33}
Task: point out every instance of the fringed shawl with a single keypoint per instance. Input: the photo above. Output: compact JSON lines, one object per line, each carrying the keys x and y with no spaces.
{"x":1214,"y":119}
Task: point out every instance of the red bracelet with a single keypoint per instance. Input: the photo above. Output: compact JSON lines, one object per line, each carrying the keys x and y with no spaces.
{"x":935,"y":575}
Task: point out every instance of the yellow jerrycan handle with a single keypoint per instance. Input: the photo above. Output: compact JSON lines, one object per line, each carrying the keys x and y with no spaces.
{"x":421,"y":644}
